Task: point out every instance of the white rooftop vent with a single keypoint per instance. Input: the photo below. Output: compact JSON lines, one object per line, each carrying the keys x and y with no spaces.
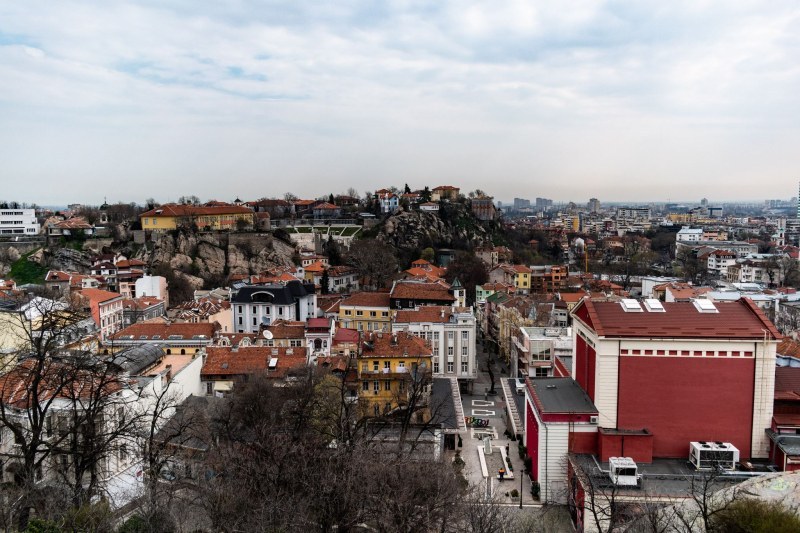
{"x":705,"y":306}
{"x":707,"y":455}
{"x":623,"y":471}
{"x":654,"y":306}
{"x":629,"y":305}
{"x":273,"y":363}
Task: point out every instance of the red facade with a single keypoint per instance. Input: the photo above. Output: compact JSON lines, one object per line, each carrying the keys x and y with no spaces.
{"x":683,"y":399}
{"x":638,"y":445}
{"x":585,"y":362}
{"x":532,"y":436}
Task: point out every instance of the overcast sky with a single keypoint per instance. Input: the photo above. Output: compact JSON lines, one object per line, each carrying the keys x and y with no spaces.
{"x":566,"y":100}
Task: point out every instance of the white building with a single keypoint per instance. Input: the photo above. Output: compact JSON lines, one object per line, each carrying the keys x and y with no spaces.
{"x":155,"y":286}
{"x":687,"y":234}
{"x":18,"y":222}
{"x":536,"y":348}
{"x":451,"y":332}
{"x":260,"y":305}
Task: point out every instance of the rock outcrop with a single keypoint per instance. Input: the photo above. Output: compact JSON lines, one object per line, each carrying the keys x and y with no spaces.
{"x":453,"y":227}
{"x":214,"y":256}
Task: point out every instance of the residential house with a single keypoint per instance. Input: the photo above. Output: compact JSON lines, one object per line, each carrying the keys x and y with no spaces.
{"x":106,"y":309}
{"x":341,"y":278}
{"x":391,"y":367}
{"x":366,"y":311}
{"x":409,"y":294}
{"x":319,"y":335}
{"x":172,"y":337}
{"x":445,"y":192}
{"x":140,"y":309}
{"x":224,"y":367}
{"x":536,"y":349}
{"x":431,"y":207}
{"x":389,"y":201}
{"x":71,"y":227}
{"x":326,"y":210}
{"x":549,"y":278}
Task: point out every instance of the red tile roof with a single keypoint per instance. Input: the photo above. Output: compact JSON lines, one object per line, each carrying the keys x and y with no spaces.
{"x":282,"y":329}
{"x":404,"y":344}
{"x":99,"y":296}
{"x":163,"y":330}
{"x":735,"y":320}
{"x":224,"y":361}
{"x":787,"y":383}
{"x":181,"y":210}
{"x":367,"y":299}
{"x":344,"y":336}
{"x":421,"y":291}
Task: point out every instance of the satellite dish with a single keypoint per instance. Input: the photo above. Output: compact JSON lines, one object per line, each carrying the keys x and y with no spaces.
{"x":267,"y":334}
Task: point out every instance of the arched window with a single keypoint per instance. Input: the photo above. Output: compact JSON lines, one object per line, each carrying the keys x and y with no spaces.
{"x":183,"y":351}
{"x":169,"y":352}
{"x":317,"y":344}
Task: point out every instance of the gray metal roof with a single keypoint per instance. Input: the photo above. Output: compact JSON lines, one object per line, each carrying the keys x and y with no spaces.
{"x":442,"y":407}
{"x":562,"y":395}
{"x":278,"y":294}
{"x":135,"y":359}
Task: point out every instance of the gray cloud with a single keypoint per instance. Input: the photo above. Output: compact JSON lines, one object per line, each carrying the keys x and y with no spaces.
{"x":625,"y":100}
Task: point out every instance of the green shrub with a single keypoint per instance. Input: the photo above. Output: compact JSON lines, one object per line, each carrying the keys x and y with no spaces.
{"x":756,"y":516}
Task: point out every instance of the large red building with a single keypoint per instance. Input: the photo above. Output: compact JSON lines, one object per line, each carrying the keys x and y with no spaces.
{"x":664,"y":374}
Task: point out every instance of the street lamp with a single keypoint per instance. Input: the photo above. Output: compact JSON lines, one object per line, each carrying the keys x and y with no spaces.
{"x":521,"y":475}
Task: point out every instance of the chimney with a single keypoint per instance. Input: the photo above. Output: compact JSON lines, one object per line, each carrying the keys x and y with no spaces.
{"x":394,"y":339}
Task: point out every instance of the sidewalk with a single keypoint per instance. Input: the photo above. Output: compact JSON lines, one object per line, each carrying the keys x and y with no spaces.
{"x":493,"y":408}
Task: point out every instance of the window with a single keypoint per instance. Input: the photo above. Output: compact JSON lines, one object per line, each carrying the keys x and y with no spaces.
{"x":240,"y":310}
{"x":373,"y":313}
{"x":255,"y":321}
{"x":255,"y":310}
{"x":365,"y":386}
{"x":450,"y":367}
{"x":435,"y":349}
{"x":387,"y":365}
{"x":376,"y":386}
{"x":401,"y":364}
{"x":449,"y":351}
{"x":240,"y":321}
{"x":464,"y":367}
{"x":464,"y":336}
{"x":359,"y":313}
{"x":387,"y":385}
{"x":384,"y":313}
{"x":280,"y":311}
{"x":297,"y":343}
{"x":209,"y":388}
{"x":375,"y":366}
{"x":464,"y":350}
{"x":436,"y":366}
{"x":401,"y":386}
{"x":450,"y":335}
{"x":347,"y":312}
{"x":542,"y":372}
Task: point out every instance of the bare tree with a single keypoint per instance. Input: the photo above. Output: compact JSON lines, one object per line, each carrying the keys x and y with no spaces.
{"x":374,"y":261}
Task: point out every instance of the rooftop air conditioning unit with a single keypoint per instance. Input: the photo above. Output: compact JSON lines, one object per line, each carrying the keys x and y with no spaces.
{"x":709,"y":455}
{"x":623,"y":471}
{"x":594,"y":419}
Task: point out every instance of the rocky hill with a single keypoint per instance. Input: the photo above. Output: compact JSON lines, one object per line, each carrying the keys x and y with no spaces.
{"x":454,"y":226}
{"x":206,"y":258}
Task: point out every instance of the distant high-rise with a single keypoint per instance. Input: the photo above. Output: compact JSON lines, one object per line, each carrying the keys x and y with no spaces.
{"x":543,"y":203}
{"x":594,"y":205}
{"x":521,"y":203}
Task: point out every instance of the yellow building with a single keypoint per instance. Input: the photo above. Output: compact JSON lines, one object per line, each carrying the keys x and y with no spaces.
{"x":522,"y":278}
{"x":366,"y":311}
{"x":394,"y":371}
{"x":212,"y":217}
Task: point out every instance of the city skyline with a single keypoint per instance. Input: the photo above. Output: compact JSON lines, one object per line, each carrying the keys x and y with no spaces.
{"x":606,"y":100}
